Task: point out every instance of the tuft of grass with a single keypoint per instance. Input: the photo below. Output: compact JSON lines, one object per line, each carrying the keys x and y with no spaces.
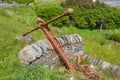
{"x":114,"y":36}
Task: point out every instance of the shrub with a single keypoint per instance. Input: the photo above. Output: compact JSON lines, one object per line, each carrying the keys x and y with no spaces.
{"x":93,"y":15}
{"x":51,"y":10}
{"x":108,"y":18}
{"x":115,"y":37}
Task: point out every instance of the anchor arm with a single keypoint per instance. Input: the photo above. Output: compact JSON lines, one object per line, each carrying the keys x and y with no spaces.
{"x":66,"y":13}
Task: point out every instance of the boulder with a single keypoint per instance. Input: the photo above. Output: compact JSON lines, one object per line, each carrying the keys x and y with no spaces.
{"x":105,"y":65}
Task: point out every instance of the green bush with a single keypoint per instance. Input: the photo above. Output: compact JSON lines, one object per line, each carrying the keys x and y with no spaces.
{"x":115,"y":37}
{"x":90,"y":18}
{"x":93,"y":15}
{"x":51,"y":10}
{"x":108,"y":18}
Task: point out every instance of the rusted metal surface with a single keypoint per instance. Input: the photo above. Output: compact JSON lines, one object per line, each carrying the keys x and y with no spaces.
{"x":30,"y":31}
{"x":79,"y":59}
{"x":57,"y":46}
{"x":86,"y":71}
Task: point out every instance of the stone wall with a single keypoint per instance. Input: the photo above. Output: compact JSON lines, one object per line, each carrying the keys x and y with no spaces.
{"x":102,"y":65}
{"x":42,"y":52}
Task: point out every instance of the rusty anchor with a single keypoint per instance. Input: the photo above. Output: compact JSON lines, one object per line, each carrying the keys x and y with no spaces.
{"x":44,"y":27}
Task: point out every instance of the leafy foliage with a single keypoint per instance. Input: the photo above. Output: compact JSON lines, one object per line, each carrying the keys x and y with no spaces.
{"x":114,"y":36}
{"x":108,"y":18}
{"x":47,"y":13}
{"x":92,"y":15}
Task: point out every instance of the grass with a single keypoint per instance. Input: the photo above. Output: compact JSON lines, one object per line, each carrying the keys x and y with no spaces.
{"x":114,"y":36}
{"x":15,"y":21}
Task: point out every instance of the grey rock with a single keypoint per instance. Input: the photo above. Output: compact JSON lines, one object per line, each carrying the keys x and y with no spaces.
{"x":61,"y":41}
{"x":96,"y":62}
{"x":45,"y":43}
{"x":37,"y":49}
{"x":27,"y":55}
{"x":88,"y":57}
{"x":31,"y":4}
{"x":50,"y":47}
{"x":43,"y":46}
{"x":65,"y":40}
{"x":111,"y":66}
{"x":80,"y":38}
{"x":25,"y":38}
{"x":74,"y":40}
{"x":79,"y":48}
{"x":68,"y":39}
{"x":81,"y":53}
{"x":85,"y":56}
{"x":73,"y":47}
{"x":118,"y":72}
{"x":91,"y":59}
{"x":99,"y":63}
{"x":71,"y":39}
{"x":77,"y":38}
{"x":105,"y":65}
{"x":114,"y":69}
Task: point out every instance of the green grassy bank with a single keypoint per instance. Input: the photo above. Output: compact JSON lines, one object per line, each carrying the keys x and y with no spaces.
{"x":17,"y":20}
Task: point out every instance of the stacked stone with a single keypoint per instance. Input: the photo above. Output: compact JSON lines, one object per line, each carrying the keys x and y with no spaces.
{"x":103,"y":65}
{"x":42,"y":52}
